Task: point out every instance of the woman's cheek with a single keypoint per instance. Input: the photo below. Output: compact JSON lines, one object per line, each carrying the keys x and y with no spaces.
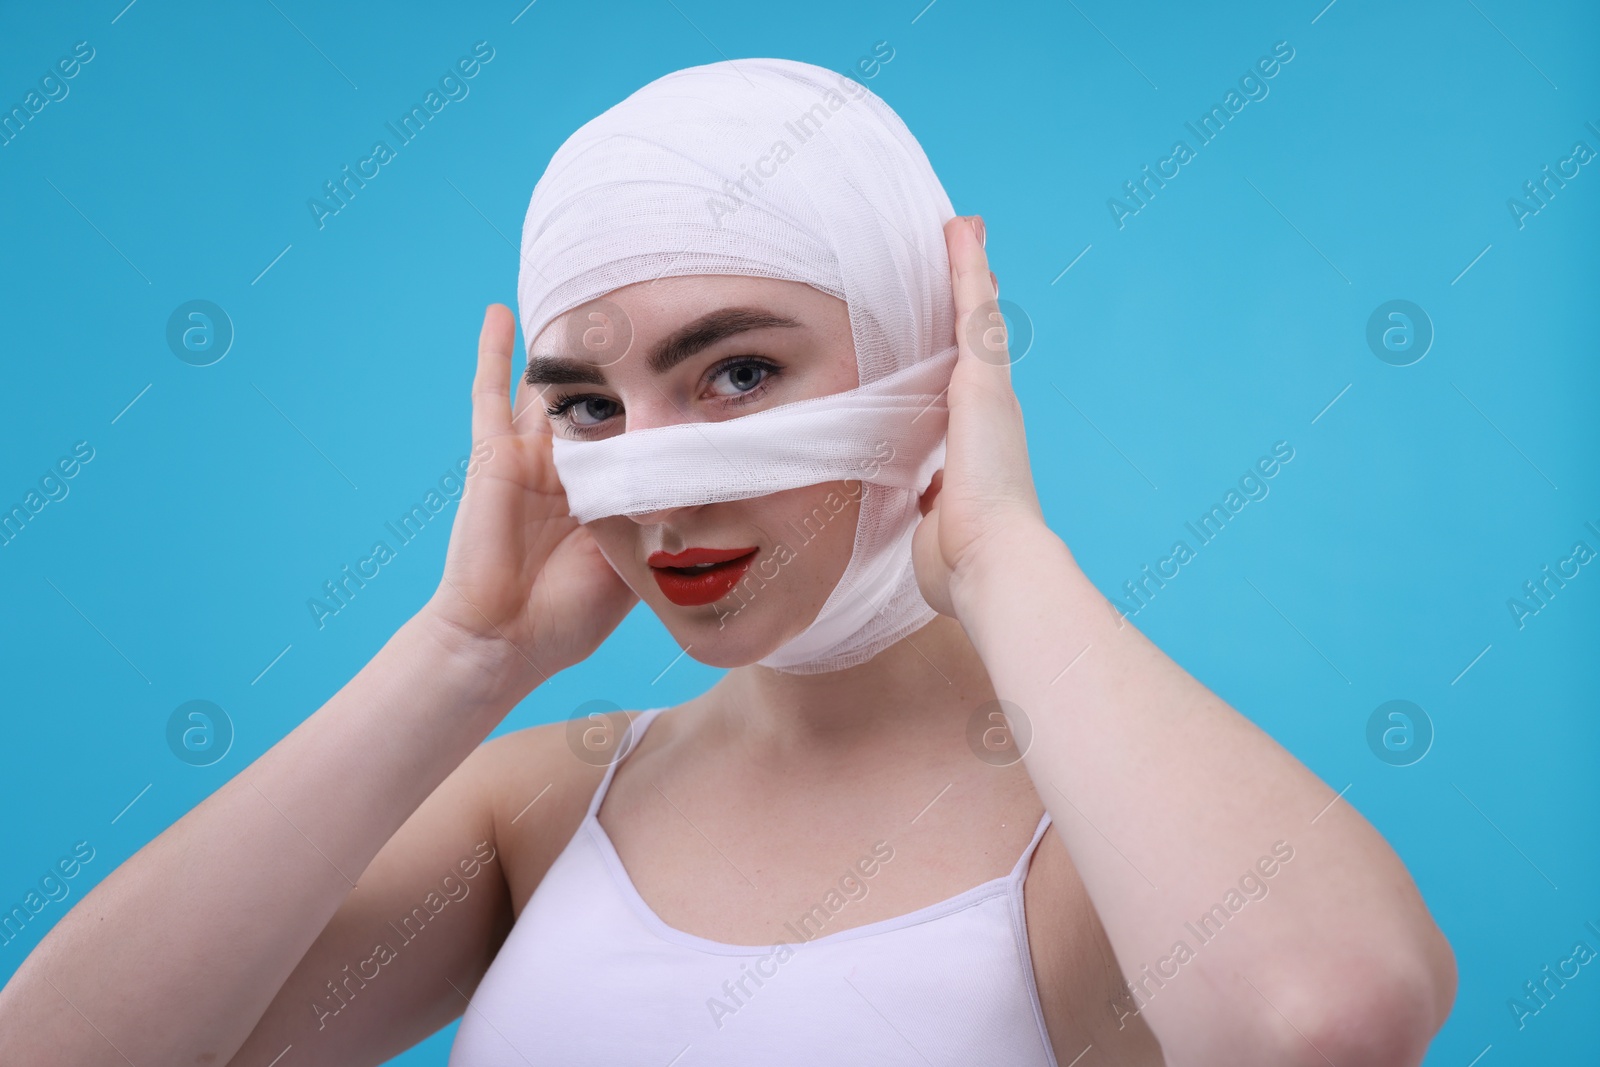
{"x":613,"y":536}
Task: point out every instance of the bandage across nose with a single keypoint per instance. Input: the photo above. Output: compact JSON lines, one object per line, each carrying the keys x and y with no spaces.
{"x":888,"y":434}
{"x":775,"y":169}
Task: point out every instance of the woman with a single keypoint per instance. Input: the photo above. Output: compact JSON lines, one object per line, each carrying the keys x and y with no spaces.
{"x":774,"y":405}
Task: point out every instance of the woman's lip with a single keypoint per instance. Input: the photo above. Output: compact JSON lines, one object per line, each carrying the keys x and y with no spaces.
{"x":689,"y":590}
{"x":690,"y":556}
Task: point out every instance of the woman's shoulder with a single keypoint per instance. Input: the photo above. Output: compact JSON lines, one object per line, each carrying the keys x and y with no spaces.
{"x":578,"y":749}
{"x":539,"y":782}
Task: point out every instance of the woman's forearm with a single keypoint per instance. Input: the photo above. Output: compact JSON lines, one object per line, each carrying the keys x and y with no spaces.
{"x":181,"y":949}
{"x":1171,"y":804}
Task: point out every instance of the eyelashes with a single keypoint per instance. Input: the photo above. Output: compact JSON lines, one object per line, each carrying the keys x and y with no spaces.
{"x":562,"y":409}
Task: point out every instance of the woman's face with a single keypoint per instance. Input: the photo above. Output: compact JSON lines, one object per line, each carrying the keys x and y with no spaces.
{"x":706,"y":348}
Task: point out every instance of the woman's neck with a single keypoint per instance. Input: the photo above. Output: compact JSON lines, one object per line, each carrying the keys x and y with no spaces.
{"x":927,"y":684}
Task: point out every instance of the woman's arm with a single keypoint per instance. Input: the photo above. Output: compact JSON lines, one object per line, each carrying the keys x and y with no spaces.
{"x":176,"y":956}
{"x":1170,"y":802}
{"x":405,"y":951}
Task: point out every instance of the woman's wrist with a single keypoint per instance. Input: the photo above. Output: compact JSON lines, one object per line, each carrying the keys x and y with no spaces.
{"x":1029,"y":559}
{"x":481,"y":671}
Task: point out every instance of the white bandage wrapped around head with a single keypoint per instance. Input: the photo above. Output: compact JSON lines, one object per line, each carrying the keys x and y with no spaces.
{"x":775,"y":169}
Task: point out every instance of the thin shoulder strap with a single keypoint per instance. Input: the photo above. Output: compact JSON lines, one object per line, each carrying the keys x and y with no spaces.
{"x":636,"y":728}
{"x":1021,"y":868}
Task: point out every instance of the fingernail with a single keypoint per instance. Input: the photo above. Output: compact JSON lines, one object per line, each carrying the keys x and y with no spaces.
{"x":996,"y":283}
{"x":977,"y":228}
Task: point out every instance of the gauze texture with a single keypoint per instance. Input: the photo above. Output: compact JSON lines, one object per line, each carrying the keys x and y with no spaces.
{"x":775,"y":169}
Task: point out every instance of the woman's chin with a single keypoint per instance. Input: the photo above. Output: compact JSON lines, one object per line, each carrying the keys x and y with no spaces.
{"x":722,"y":639}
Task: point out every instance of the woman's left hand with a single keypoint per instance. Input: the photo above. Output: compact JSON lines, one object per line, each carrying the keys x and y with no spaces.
{"x":981,"y":508}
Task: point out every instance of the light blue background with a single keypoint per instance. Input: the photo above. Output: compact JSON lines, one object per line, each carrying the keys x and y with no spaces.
{"x":1224,"y":316}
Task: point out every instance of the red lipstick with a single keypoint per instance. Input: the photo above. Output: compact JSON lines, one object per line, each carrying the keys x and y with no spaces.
{"x":686,"y":579}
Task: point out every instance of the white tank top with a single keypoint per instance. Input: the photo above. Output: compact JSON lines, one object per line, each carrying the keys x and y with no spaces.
{"x":589,"y":974}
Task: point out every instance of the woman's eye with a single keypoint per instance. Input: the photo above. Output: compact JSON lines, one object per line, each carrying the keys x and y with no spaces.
{"x":583,"y":410}
{"x":739,"y":382}
{"x":742,"y":377}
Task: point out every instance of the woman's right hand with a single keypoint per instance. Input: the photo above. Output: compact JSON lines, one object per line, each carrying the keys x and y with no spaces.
{"x":524,"y":584}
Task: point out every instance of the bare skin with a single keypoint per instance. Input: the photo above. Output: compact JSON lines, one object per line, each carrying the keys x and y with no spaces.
{"x":213,"y":943}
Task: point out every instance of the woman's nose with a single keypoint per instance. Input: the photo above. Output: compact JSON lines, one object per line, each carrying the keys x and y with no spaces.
{"x":656,"y":410}
{"x":650,"y":518}
{"x":653,"y":409}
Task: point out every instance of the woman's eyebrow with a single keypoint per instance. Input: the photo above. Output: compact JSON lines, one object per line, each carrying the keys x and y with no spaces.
{"x":707,"y":330}
{"x":684,"y":342}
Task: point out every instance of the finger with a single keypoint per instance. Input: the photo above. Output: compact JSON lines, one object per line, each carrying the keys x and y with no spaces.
{"x":930,"y":495}
{"x":986,"y":433}
{"x":527,"y":412}
{"x":491,"y":385}
{"x":980,"y":328}
{"x":933,"y":574}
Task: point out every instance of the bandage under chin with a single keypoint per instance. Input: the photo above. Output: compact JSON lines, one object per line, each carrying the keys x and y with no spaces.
{"x":775,"y":169}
